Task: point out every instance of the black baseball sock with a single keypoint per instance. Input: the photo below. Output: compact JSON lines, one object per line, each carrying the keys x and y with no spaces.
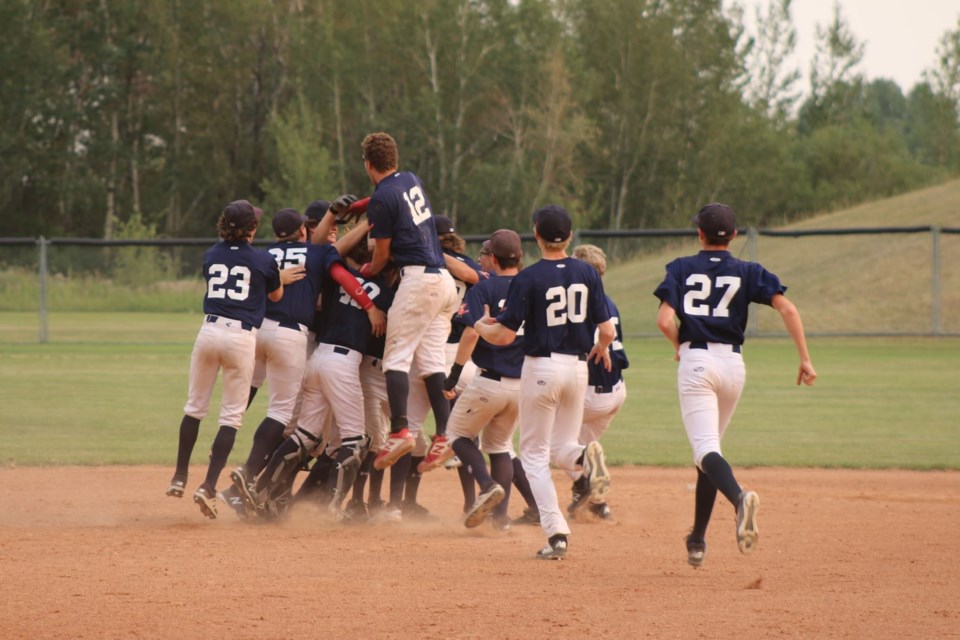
{"x":253,"y":394}
{"x":471,"y":458}
{"x":501,"y":470}
{"x":413,"y":481}
{"x":438,"y":402}
{"x":721,"y":475}
{"x":189,"y":430}
{"x":268,"y":437}
{"x":706,"y":495}
{"x":376,"y":484}
{"x":318,"y":475}
{"x":361,"y":481}
{"x":398,"y":388}
{"x":523,"y":485}
{"x":468,"y":485}
{"x":219,"y":452}
{"x":398,"y":479}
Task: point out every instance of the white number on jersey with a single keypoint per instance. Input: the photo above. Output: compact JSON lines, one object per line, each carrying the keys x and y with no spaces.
{"x":694,"y":300}
{"x":500,"y":306}
{"x":567,"y":305}
{"x":417,"y":202}
{"x":616,"y":345}
{"x":218,"y":286}
{"x":372,"y":289}
{"x":289,"y":256}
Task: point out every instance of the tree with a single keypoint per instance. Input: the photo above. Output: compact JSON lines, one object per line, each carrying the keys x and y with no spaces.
{"x":772,"y":85}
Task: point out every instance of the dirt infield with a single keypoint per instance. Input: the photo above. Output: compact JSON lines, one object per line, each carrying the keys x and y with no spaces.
{"x":102,"y":553}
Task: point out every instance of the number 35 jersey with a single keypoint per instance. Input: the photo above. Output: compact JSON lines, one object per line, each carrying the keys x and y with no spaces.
{"x":299,"y":300}
{"x":710,"y":293}
{"x":561,"y":303}
{"x":239,"y":278}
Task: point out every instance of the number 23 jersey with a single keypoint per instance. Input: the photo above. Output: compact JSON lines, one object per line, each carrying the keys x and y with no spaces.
{"x":710,"y":292}
{"x":239,"y":278}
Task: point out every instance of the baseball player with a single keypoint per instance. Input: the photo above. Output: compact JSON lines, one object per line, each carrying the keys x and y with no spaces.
{"x":282,"y":343}
{"x":349,"y":315}
{"x":402,"y":228}
{"x":707,"y":295}
{"x":560,"y":302}
{"x":606,"y":391}
{"x":239,"y":279}
{"x":491,"y":400}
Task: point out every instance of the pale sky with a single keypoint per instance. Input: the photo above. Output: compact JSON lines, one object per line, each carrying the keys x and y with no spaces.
{"x":900,"y":36}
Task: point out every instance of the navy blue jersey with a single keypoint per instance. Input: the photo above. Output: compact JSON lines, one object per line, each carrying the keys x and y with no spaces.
{"x":239,"y":278}
{"x":560,"y":303}
{"x":456,"y":329}
{"x":600,"y":377}
{"x":711,"y":291}
{"x":344,"y":322}
{"x":508,"y":359}
{"x":399,"y":209}
{"x":299,"y":300}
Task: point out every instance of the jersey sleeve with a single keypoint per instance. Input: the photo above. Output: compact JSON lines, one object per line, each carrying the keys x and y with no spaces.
{"x":471,"y":308}
{"x":764,"y":285}
{"x":272,"y":272}
{"x":599,"y":311}
{"x":669,"y":290}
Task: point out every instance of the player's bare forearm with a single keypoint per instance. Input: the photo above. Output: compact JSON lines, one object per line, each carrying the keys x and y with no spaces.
{"x":468,"y":341}
{"x":667,"y":323}
{"x":794,"y":325}
{"x":381,"y":254}
{"x":276,"y":294}
{"x":352,"y":238}
{"x":322,"y":232}
{"x":461,"y":271}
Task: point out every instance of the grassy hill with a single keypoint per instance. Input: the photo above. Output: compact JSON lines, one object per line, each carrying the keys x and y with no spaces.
{"x":850,"y":284}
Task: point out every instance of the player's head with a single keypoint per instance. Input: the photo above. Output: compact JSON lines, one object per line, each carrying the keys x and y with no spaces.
{"x":505,"y":248}
{"x":553,"y":227}
{"x":485,"y":257}
{"x":289,"y":225}
{"x":717,"y":224}
{"x":592,"y":255}
{"x":239,"y":221}
{"x":448,"y":238}
{"x":315,"y":212}
{"x":380,"y":153}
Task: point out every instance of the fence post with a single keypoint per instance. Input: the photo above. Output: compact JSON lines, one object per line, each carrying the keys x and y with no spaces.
{"x":935,"y":283}
{"x":753,"y":324}
{"x":43,"y":242}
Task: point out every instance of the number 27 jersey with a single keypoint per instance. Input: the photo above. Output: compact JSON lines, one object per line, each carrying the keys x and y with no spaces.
{"x":710,"y":292}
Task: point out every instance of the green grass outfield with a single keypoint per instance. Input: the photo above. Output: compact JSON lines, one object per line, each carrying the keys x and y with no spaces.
{"x":878,"y":403}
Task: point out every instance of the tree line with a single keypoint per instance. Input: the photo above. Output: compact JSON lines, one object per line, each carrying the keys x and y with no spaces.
{"x":138,"y":118}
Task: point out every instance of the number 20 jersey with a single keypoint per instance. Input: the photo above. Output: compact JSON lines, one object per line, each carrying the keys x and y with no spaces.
{"x":561,"y":301}
{"x":710,"y":292}
{"x":239,"y":278}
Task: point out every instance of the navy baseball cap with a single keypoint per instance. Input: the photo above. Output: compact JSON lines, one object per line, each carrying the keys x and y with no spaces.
{"x":443,"y":225}
{"x":504,"y":243}
{"x":240,"y":214}
{"x":716,"y":220}
{"x":316,"y":210}
{"x":287,"y":221}
{"x":553,"y":223}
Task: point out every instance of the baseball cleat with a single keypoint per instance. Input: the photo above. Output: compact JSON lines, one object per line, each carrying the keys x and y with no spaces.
{"x":440,"y":451}
{"x":747,"y":532}
{"x":530,"y":516}
{"x":556,"y":548}
{"x":595,"y":471}
{"x":696,"y":550}
{"x":176,"y":488}
{"x":244,"y":489}
{"x":602,"y":511}
{"x":397,"y":445}
{"x":580,"y":493}
{"x":231,"y":497}
{"x":206,"y":497}
{"x":484,"y":504}
{"x":501,"y":523}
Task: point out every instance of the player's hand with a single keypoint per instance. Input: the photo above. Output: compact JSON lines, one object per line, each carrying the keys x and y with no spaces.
{"x":378,"y":321}
{"x":486,"y":318}
{"x":807,"y":374}
{"x":449,"y":395}
{"x":365,"y":269}
{"x":292,"y":274}
{"x":601,"y":355}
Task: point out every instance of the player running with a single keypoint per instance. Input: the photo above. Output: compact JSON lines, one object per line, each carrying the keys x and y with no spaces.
{"x":559,"y":301}
{"x":239,"y":281}
{"x":707,"y":295}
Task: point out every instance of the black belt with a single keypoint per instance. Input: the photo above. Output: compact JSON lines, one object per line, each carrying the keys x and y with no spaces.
{"x":290,"y":325}
{"x":703,"y":345}
{"x":341,"y":350}
{"x":491,"y":375}
{"x":606,"y":389}
{"x":246,"y":326}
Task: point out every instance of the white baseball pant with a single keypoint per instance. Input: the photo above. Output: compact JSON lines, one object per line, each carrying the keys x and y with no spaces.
{"x":221,"y":344}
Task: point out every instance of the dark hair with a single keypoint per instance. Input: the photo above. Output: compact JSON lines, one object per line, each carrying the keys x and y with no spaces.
{"x":507,"y":263}
{"x":235,"y":234}
{"x":380,"y":150}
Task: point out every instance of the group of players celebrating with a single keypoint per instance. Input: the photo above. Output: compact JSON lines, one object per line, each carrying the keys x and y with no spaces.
{"x":361,"y":336}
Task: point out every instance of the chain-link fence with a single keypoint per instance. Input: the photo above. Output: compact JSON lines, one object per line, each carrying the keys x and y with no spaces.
{"x":864,"y":281}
